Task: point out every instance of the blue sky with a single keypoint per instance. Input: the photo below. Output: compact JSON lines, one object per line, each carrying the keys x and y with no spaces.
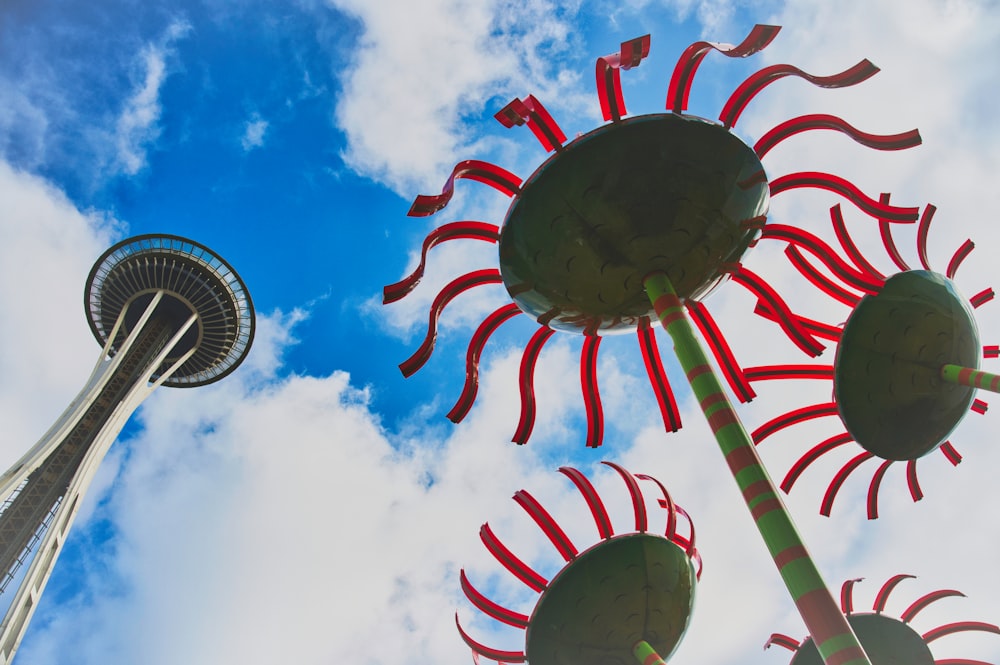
{"x":317,"y":506}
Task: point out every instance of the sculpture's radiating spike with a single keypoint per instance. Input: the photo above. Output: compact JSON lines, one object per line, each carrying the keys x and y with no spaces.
{"x":547,"y":524}
{"x":490,"y":608}
{"x":591,"y":393}
{"x":789,"y":323}
{"x":958,"y":627}
{"x":912,"y":482}
{"x":852,"y":251}
{"x":498,"y":178}
{"x":688,"y":543}
{"x":531,"y":111}
{"x":526,"y":383}
{"x":452,"y":231}
{"x":804,"y":123}
{"x":668,"y":504}
{"x":922,"y":231}
{"x":950,"y":453}
{"x":593,"y":499}
{"x":509,"y":560}
{"x":857,"y":278}
{"x":609,"y":84}
{"x":958,"y":257}
{"x":818,"y":279}
{"x":638,"y":504}
{"x":772,"y":372}
{"x":454,"y":288}
{"x":922,"y":602}
{"x":747,"y":90}
{"x":658,"y":376}
{"x":721,"y":351}
{"x":885,"y":230}
{"x":882,"y":597}
{"x":680,"y":81}
{"x":846,"y":189}
{"x":847,"y":595}
{"x":838,"y":481}
{"x":793,"y":418}
{"x":811,"y":456}
{"x":982,"y":297}
{"x":492,"y":654}
{"x":979,"y":406}
{"x":817,"y":328}
{"x":782,"y":640}
{"x":874,"y":486}
{"x":472,"y":355}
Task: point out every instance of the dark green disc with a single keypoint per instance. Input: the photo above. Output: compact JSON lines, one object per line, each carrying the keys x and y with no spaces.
{"x":662,"y":192}
{"x":887,"y":641}
{"x":622,"y":590}
{"x":887,"y":379}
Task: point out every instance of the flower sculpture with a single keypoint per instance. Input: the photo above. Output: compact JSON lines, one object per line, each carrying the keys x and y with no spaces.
{"x":886,"y":639}
{"x":629,"y":593}
{"x":906,"y":367}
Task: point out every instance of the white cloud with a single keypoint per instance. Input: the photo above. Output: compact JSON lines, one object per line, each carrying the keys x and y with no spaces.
{"x":254,"y":131}
{"x":137,"y":125}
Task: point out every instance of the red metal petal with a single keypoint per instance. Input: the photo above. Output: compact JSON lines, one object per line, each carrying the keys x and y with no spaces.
{"x":547,"y":523}
{"x":885,"y":230}
{"x":949,"y":452}
{"x":847,"y":595}
{"x":493,"y":654}
{"x":771,"y":372}
{"x":638,"y":504}
{"x":838,"y":482}
{"x":819,"y":280}
{"x":817,"y":328}
{"x":793,"y":418}
{"x":721,"y":350}
{"x":471,"y":169}
{"x":668,"y":504}
{"x":882,"y":597}
{"x":591,"y":393}
{"x":531,"y":111}
{"x":472,"y":355}
{"x":490,"y":608}
{"x":926,"y":600}
{"x":979,"y":406}
{"x":811,"y":456}
{"x":922,"y":231}
{"x":911,"y":481}
{"x":982,"y":297}
{"x":857,"y":278}
{"x":958,"y":257}
{"x":593,"y":499}
{"x":747,"y":90}
{"x":873,"y":488}
{"x":852,"y":251}
{"x":846,"y":189}
{"x":781,"y":640}
{"x":454,"y":288}
{"x":671,"y":415}
{"x":526,"y":383}
{"x":452,"y":231}
{"x":509,"y":560}
{"x":958,"y":627}
{"x":823,"y":121}
{"x":609,"y":86}
{"x":788,"y":321}
{"x":680,"y":81}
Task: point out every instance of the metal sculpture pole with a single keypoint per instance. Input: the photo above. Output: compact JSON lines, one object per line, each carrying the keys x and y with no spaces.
{"x":833,"y":635}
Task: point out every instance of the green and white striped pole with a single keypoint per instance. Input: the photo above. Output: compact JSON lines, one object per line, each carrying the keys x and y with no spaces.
{"x":972,"y":378}
{"x":827,"y":625}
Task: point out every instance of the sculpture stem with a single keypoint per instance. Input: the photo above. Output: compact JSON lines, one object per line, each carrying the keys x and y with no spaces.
{"x":973,"y":378}
{"x":837,"y":643}
{"x":646,"y":655}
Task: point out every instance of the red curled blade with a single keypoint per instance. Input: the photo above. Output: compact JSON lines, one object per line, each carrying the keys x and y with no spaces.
{"x":851,"y":276}
{"x":849,"y":191}
{"x":591,"y":393}
{"x":847,"y":596}
{"x":609,"y":84}
{"x":658,"y":376}
{"x":496,"y":177}
{"x":922,"y":602}
{"x":547,"y":524}
{"x":488,"y":652}
{"x":593,"y":499}
{"x":793,"y":418}
{"x":874,"y":486}
{"x":958,"y":257}
{"x":490,"y":608}
{"x":680,"y":81}
{"x":526,"y":383}
{"x":789,"y":323}
{"x":454,"y":288}
{"x":804,"y":123}
{"x":638,"y":504}
{"x":509,"y":560}
{"x":529,"y":110}
{"x":852,"y":251}
{"x":882,"y":597}
{"x":838,"y":481}
{"x":758,"y":81}
{"x":772,"y":372}
{"x":452,"y":231}
{"x":472,"y":355}
{"x":811,"y":456}
{"x":958,"y":627}
{"x":721,"y":350}
{"x":818,"y":279}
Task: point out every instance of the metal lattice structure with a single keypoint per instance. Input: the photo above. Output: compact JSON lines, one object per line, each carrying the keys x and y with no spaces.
{"x":167,"y":311}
